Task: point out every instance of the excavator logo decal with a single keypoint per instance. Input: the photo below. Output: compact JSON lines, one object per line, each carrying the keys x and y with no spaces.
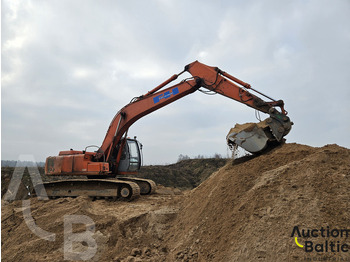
{"x":166,"y":95}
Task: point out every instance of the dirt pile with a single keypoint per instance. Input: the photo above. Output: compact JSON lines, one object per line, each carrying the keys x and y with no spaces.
{"x":247,"y":210}
{"x":123,"y":231}
{"x":24,"y":187}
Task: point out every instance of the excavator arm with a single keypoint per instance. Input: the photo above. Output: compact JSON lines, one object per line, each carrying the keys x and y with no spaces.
{"x":216,"y":80}
{"x":203,"y":76}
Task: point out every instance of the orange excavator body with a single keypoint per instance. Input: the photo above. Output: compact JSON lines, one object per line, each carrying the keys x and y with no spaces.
{"x":119,"y":155}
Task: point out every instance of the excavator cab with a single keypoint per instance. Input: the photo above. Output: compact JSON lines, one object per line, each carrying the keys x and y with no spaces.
{"x":130,"y":160}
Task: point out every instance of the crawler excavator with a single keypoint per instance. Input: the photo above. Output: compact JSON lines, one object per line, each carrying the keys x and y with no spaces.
{"x":118,"y":156}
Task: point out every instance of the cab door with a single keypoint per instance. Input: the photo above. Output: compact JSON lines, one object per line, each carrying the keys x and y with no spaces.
{"x":130,"y":160}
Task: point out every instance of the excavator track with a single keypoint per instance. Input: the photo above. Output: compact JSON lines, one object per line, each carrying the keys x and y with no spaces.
{"x":95,"y":188}
{"x":147,"y":186}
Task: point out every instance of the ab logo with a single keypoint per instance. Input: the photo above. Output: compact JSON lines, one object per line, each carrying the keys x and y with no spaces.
{"x":322,"y":240}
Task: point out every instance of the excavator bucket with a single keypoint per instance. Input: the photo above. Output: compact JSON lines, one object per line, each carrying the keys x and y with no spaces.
{"x":250,"y":136}
{"x":255,"y":137}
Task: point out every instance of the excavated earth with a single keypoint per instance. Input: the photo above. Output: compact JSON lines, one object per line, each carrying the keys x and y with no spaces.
{"x":245,"y":211}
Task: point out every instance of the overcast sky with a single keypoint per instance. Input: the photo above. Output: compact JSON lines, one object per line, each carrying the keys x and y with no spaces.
{"x":69,"y":66}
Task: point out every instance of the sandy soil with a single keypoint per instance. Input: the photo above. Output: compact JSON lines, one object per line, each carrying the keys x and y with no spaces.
{"x":246,"y":211}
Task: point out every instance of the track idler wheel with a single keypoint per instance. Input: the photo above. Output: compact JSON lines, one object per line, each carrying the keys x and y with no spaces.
{"x":125,"y":192}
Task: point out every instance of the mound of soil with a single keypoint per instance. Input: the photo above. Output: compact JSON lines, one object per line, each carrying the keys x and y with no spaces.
{"x":122,"y":230}
{"x":245,"y":211}
{"x":6,"y":175}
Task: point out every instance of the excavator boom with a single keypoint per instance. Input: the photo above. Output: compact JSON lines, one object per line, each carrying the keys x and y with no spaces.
{"x":203,"y":76}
